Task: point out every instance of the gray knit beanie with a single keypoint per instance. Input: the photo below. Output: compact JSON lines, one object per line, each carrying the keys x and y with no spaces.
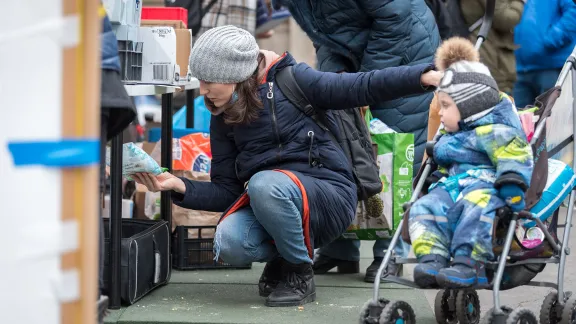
{"x":471,"y":86}
{"x":225,"y":54}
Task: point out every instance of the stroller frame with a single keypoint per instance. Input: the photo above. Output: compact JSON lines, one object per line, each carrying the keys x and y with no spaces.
{"x":375,"y":308}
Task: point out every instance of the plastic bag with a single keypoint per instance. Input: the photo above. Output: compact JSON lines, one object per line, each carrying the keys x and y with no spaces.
{"x":135,"y":160}
{"x":189,"y":153}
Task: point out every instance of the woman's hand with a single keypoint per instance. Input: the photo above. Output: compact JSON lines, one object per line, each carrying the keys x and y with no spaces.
{"x":162,"y":182}
{"x":431,"y":78}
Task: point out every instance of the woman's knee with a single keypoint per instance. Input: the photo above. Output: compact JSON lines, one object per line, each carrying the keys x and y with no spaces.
{"x":229,"y":245}
{"x":265,"y":186}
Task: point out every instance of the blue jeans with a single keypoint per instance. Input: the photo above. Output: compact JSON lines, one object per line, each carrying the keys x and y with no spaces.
{"x":531,"y":84}
{"x":350,"y":249}
{"x":274,"y":215}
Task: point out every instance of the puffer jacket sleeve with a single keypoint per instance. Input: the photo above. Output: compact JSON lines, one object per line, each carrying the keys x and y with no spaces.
{"x":509,"y":151}
{"x":389,"y":34}
{"x":326,"y":90}
{"x":563,"y":31}
{"x":224,"y":187}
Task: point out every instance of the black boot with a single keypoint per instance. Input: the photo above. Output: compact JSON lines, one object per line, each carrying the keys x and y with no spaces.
{"x":393,"y":269}
{"x":270,"y":277}
{"x":296,"y":287}
{"x":323,"y":264}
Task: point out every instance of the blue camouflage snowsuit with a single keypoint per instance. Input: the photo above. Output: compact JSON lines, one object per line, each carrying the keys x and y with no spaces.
{"x":455,"y":218}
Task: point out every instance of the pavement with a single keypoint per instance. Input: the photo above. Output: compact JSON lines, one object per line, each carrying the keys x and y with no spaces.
{"x":231,"y":296}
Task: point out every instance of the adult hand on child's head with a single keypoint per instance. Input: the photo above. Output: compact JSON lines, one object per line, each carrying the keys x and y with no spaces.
{"x":513,"y":195}
{"x":162,"y":182}
{"x":431,"y":78}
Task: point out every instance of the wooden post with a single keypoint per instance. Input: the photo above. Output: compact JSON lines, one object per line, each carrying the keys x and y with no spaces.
{"x":81,"y":119}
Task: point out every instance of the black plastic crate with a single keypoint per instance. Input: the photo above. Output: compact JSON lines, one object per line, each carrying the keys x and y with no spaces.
{"x":192,"y":249}
{"x":130,"y":60}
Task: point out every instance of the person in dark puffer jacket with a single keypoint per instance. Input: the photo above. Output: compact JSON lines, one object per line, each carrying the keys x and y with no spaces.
{"x":300,"y":192}
{"x":367,"y":35}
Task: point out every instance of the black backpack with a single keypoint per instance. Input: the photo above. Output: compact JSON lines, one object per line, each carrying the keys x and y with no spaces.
{"x":457,"y":22}
{"x":354,"y":137}
{"x":195,"y":11}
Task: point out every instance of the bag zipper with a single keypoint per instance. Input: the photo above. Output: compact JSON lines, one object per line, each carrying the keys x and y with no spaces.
{"x":270,"y":97}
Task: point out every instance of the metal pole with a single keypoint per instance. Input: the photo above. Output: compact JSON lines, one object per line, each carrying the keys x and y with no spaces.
{"x":166,"y":157}
{"x":115,"y":222}
{"x":567,"y":229}
{"x":190,"y":96}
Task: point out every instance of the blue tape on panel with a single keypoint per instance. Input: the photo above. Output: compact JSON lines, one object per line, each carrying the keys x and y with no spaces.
{"x":60,"y":154}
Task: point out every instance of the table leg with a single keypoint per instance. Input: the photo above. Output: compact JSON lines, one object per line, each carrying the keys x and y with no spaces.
{"x":115,"y":222}
{"x":166,"y":157}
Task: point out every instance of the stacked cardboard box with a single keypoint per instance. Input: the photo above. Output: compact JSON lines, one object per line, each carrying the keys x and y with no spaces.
{"x":151,"y":51}
{"x":183,"y":47}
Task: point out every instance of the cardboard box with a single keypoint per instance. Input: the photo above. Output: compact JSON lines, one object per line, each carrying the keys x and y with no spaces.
{"x":124,"y":12}
{"x":183,"y":49}
{"x":176,"y":24}
{"x":140,"y":202}
{"x":159,"y":55}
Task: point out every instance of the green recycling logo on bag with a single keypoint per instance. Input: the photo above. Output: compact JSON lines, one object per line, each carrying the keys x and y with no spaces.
{"x":378,"y":216}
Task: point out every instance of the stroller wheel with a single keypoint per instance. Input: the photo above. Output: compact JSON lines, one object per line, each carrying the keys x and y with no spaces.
{"x":365,"y":317}
{"x":522,"y":316}
{"x":569,"y":312}
{"x":550,"y":312}
{"x":397,"y":312}
{"x":444,"y":307}
{"x":467,"y":306}
{"x":490,"y":318}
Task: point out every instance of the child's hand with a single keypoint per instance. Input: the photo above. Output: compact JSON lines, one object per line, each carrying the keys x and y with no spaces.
{"x":513,"y":196}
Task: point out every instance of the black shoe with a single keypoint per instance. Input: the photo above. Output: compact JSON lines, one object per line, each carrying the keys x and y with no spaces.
{"x":323,"y":264}
{"x":296,"y":287}
{"x":270,"y":277}
{"x":427,"y":270}
{"x":393,"y":269}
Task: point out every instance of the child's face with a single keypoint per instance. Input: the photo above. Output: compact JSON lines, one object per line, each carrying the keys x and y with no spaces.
{"x":449,"y":113}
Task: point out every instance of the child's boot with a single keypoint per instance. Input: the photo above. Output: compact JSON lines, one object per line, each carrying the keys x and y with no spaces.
{"x":463,"y":273}
{"x":296,"y":287}
{"x":427,"y":269}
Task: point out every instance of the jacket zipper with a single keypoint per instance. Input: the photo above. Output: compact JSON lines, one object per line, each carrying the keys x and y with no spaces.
{"x":270,"y":97}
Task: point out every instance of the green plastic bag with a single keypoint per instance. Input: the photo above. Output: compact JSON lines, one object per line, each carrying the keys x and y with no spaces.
{"x":378,"y":217}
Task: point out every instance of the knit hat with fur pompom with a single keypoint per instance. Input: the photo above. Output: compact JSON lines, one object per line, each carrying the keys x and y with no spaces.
{"x":467,"y":81}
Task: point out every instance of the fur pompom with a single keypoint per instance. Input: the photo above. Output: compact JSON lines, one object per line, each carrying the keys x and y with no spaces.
{"x":453,"y":50}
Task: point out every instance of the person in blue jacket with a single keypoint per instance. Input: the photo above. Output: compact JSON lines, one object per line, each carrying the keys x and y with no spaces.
{"x":546,"y":35}
{"x":284,"y":186}
{"x":367,"y":35}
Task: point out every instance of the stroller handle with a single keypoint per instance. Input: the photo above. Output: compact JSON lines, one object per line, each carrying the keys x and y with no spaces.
{"x":486,"y":22}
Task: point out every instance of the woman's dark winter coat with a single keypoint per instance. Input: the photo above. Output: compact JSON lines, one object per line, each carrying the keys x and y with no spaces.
{"x":281,"y":138}
{"x":367,"y":35}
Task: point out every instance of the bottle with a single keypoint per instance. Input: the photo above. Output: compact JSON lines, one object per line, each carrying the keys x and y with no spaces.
{"x":378,"y":127}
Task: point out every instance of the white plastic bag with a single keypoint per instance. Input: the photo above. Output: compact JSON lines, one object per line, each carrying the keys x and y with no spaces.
{"x":135,"y":160}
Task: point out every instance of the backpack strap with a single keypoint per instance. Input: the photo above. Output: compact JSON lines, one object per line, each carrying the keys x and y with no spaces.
{"x":287,"y":83}
{"x":291,"y":90}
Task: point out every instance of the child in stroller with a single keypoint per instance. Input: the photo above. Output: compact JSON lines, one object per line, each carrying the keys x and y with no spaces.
{"x":484,"y":163}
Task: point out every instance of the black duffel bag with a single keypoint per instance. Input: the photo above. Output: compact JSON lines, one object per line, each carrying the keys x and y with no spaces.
{"x":145,"y":253}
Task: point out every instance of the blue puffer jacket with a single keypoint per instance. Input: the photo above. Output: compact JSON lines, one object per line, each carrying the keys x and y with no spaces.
{"x":366,"y":35}
{"x":279,"y":139}
{"x":547,"y":30}
{"x":493,"y":146}
{"x":110,"y":59}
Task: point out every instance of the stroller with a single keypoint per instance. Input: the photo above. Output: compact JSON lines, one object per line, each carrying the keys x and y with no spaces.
{"x":516,"y":265}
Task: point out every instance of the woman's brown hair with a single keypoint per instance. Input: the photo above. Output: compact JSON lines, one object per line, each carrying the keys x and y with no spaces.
{"x":246,"y":109}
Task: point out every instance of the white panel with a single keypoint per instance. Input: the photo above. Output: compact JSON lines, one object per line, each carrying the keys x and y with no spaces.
{"x":30,"y":109}
{"x":561,"y":124}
